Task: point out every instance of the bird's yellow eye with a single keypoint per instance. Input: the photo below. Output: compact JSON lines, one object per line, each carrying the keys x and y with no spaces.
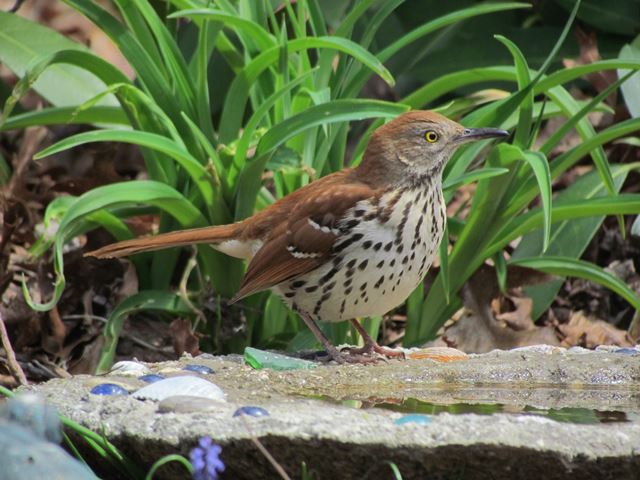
{"x":431,"y":136}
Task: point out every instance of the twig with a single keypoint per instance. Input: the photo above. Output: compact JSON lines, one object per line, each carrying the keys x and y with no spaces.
{"x":265,"y":452}
{"x":14,"y":366}
{"x":16,"y":6}
{"x":184,"y":295}
{"x":133,"y":338}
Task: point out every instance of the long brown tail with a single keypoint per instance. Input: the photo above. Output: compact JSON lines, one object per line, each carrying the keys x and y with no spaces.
{"x":193,"y":236}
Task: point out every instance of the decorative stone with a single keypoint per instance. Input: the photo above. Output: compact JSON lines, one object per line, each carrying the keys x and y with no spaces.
{"x":438,"y":354}
{"x":187,"y":404}
{"x":546,"y":349}
{"x":251,"y":411}
{"x":129,"y":368}
{"x":577,"y":349}
{"x":182,"y":385}
{"x":152,"y":378}
{"x":203,"y":369}
{"x":413,"y":418}
{"x":24,"y":454}
{"x":259,"y":359}
{"x":607,"y":348}
{"x":31,"y":411}
{"x":109,"y":389}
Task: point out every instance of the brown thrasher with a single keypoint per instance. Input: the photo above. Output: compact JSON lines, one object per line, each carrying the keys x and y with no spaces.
{"x":355,"y":243}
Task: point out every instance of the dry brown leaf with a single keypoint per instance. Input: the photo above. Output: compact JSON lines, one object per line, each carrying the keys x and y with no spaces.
{"x":473,"y":333}
{"x":184,"y":340}
{"x":589,"y":332}
{"x":475,"y":329}
{"x":87,"y":361}
{"x":520,"y":318}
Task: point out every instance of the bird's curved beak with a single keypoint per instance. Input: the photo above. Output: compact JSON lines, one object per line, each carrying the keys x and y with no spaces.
{"x":473,"y":134}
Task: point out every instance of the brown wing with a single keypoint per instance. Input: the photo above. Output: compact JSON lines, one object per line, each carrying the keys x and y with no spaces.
{"x":304,"y":239}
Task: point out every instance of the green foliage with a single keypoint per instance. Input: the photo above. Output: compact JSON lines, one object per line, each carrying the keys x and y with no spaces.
{"x":282,"y":97}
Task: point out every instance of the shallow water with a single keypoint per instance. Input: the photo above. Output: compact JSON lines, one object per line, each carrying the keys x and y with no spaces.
{"x":568,"y":414}
{"x":606,"y":405}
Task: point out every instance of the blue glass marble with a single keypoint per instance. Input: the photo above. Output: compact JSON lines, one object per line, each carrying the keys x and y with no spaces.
{"x":251,"y":411}
{"x":192,"y":367}
{"x":413,"y":418}
{"x":628,"y":351}
{"x":151,"y":378}
{"x":109,"y":389}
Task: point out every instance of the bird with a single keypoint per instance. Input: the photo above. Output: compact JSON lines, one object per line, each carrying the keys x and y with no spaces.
{"x":354,"y":243}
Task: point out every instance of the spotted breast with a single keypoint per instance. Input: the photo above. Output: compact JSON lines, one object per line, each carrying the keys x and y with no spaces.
{"x":384,"y":250}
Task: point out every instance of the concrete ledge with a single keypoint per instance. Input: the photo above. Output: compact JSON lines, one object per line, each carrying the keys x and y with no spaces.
{"x":339,"y":441}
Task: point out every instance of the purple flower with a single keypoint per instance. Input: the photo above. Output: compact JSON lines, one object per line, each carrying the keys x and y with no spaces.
{"x":205,"y":459}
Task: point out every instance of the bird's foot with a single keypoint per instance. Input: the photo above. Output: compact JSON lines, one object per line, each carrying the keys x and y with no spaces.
{"x":370,"y":353}
{"x":348,"y":356}
{"x":370,"y":349}
{"x":373,"y":348}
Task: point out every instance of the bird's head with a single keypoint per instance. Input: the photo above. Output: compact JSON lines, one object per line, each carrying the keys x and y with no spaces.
{"x":419,"y":143}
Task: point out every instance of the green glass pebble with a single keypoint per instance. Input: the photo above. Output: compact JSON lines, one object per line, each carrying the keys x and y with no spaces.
{"x":259,"y":359}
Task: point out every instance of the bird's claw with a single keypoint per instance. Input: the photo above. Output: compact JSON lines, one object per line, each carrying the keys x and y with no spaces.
{"x":364,"y":355}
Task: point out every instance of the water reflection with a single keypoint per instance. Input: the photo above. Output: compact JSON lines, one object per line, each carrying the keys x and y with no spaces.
{"x":413,"y":405}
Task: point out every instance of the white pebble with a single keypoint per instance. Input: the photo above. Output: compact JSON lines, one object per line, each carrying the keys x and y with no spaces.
{"x":181,"y":385}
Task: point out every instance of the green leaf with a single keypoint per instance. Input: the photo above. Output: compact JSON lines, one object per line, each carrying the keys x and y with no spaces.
{"x":201,"y":177}
{"x":563,"y":162}
{"x":5,"y":171}
{"x":635,"y":227}
{"x":586,"y":131}
{"x":332,"y":112}
{"x":538,"y":163}
{"x":238,"y":92}
{"x":566,"y":75}
{"x":260,"y":112}
{"x":571,"y":122}
{"x":631,"y":89}
{"x":498,"y":112}
{"x":356,"y":84}
{"x":263,"y":39}
{"x":153,"y":79}
{"x":474,"y":175}
{"x":570,"y":267}
{"x":117,"y":194}
{"x":159,"y":300}
{"x":66,"y":116}
{"x":23,"y":42}
{"x":571,"y":237}
{"x":180,"y":80}
{"x":168,"y":459}
{"x":622,"y":204}
{"x":101,"y":68}
{"x":633,"y":141}
{"x":523,"y":130}
{"x":444,"y":21}
{"x":500,"y":265}
{"x":613,"y":16}
{"x":450,"y":82}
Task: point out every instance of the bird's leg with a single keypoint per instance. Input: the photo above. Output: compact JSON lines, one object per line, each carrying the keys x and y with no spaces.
{"x":333,"y":352}
{"x":370,"y":345}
